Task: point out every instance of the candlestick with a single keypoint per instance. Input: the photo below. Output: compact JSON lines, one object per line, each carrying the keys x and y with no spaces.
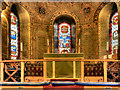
{"x":48,"y":45}
{"x":48,"y":42}
{"x":79,"y":42}
{"x":79,"y":47}
{"x":21,"y":46}
{"x":107,"y":47}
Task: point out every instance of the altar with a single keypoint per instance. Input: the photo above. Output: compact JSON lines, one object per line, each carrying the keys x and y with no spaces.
{"x":63,"y":66}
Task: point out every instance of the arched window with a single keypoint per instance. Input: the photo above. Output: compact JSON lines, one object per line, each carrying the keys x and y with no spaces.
{"x":64,"y":34}
{"x":14,"y":33}
{"x":64,"y":38}
{"x":114,"y":34}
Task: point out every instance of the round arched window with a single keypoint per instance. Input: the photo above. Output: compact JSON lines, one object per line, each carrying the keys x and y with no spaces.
{"x":114,"y":34}
{"x":64,"y":38}
{"x":64,"y":34}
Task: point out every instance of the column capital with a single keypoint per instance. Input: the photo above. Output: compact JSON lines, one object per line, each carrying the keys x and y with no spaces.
{"x":51,"y":27}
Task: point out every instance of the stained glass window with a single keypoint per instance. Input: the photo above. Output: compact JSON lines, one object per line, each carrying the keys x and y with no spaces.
{"x":114,"y":34}
{"x":64,"y":38}
{"x":14,"y":36}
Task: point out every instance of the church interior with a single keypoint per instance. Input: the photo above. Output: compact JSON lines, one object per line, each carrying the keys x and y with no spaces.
{"x":71,"y":44}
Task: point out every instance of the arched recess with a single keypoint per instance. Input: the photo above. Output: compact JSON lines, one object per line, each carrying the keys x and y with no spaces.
{"x":67,"y":23}
{"x":104,"y":27}
{"x":41,"y":46}
{"x":24,"y":23}
{"x":51,"y":28}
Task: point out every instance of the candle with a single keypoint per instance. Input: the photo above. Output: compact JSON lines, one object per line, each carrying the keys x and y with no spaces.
{"x":79,"y":42}
{"x":107,"y":46}
{"x":48,"y":42}
{"x":21,"y":46}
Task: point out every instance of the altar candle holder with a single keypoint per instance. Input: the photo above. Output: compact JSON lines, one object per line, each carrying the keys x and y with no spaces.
{"x":107,"y":54}
{"x":79,"y":46}
{"x":107,"y":49}
{"x":48,"y":46}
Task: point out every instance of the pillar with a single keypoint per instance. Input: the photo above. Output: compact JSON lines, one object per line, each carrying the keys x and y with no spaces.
{"x":51,"y":38}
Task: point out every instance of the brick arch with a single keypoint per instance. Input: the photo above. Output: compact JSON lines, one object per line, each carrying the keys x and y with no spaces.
{"x":56,"y":14}
{"x":51,"y":29}
{"x":100,"y":7}
{"x":96,"y":15}
{"x":9,"y":4}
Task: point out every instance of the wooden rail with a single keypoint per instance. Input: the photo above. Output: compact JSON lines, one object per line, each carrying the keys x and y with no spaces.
{"x":70,"y":59}
{"x":54,"y":60}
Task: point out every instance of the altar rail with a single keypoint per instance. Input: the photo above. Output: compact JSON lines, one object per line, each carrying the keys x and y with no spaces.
{"x":105,"y":62}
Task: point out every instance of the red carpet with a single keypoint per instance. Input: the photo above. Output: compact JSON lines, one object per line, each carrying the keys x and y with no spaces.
{"x":75,"y":87}
{"x":73,"y":80}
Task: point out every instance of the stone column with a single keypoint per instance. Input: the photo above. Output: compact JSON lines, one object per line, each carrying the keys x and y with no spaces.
{"x":51,"y":38}
{"x":77,"y":38}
